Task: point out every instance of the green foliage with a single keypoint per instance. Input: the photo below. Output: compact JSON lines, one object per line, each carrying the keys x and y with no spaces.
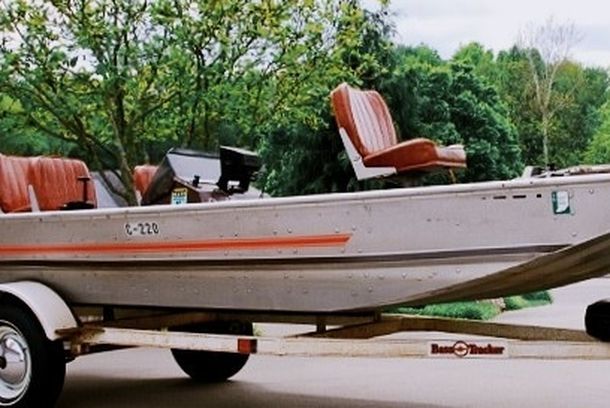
{"x":584,"y":91}
{"x":245,"y":68}
{"x":479,"y":310}
{"x":307,"y":157}
{"x":85,"y":72}
{"x":528,"y":300}
{"x":598,"y":151}
{"x":122,"y":78}
{"x":427,"y":97}
{"x":540,"y":296}
{"x":577,"y":94}
{"x":118,"y":82}
{"x":515,"y":303}
{"x":481,"y":60}
{"x":515,"y":90}
{"x":17,"y":138}
{"x":455,"y":310}
{"x":301,"y":160}
{"x":448,"y":103}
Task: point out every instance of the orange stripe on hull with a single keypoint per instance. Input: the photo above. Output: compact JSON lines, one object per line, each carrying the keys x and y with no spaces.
{"x":230,"y":244}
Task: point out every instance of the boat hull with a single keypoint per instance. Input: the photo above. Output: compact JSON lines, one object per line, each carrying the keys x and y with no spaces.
{"x":339,"y":252}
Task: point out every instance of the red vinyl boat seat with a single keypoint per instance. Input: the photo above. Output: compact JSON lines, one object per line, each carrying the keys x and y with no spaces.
{"x":55,"y":182}
{"x":365,"y":117}
{"x":418,"y":154}
{"x":142,"y":176}
{"x":14,"y":184}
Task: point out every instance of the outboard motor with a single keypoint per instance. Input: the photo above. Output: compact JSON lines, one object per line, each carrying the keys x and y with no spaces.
{"x":189,"y":176}
{"x":237,"y":165}
{"x":597,"y":320}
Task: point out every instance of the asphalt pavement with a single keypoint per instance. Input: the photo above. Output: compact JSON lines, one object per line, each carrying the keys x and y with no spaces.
{"x":150,"y":378}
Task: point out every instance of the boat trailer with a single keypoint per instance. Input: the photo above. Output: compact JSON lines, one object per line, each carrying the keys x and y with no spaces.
{"x":40,"y":333}
{"x":358,"y":337}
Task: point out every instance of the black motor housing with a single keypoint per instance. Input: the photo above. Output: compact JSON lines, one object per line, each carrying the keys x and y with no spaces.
{"x":200,"y":176}
{"x":237,"y":165}
{"x":597,"y":320}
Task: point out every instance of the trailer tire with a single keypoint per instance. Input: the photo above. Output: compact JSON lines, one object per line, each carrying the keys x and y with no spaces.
{"x":597,"y":320}
{"x":209,"y":366}
{"x":35,"y":374}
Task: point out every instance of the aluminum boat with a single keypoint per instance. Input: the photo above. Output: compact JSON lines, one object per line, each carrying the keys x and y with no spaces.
{"x":321,"y":253}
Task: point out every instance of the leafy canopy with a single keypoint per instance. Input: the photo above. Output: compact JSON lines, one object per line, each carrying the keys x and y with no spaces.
{"x":124,"y":79}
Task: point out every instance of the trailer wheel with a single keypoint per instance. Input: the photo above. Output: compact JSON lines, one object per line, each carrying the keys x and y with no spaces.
{"x":32,"y":368}
{"x":597,"y":320}
{"x":209,"y":366}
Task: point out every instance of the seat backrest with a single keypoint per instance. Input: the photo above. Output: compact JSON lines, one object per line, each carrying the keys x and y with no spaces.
{"x":14,"y":184}
{"x":55,"y":182}
{"x":142,"y":176}
{"x":365,"y":117}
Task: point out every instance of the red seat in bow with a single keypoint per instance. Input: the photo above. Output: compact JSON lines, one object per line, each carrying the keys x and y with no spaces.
{"x":56,"y":183}
{"x":14,"y":182}
{"x":369,"y":137}
{"x":142,"y":176}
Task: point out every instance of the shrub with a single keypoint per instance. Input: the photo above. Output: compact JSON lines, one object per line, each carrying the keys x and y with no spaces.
{"x":479,"y":310}
{"x":457,"y":310}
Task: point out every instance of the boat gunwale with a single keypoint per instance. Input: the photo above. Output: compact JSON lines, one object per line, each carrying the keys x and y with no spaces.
{"x":323,"y":199}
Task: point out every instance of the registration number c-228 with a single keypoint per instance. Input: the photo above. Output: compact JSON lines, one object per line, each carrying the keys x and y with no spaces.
{"x":142,"y":228}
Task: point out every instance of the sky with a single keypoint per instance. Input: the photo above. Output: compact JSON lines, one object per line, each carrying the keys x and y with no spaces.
{"x":447,"y":24}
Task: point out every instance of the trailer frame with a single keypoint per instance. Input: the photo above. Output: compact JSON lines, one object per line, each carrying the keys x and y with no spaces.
{"x":40,"y":332}
{"x":445,"y":338}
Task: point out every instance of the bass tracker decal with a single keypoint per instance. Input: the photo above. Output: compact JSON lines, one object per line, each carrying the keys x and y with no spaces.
{"x":470,"y":349}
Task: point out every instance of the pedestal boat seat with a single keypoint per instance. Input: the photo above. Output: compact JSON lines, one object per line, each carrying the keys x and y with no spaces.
{"x":369,"y":137}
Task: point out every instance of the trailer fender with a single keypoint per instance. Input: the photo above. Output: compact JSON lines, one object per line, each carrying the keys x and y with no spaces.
{"x":52,"y":312}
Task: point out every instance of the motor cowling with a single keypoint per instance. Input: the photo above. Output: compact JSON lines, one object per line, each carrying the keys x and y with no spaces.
{"x":597,"y":320}
{"x":190,"y":176}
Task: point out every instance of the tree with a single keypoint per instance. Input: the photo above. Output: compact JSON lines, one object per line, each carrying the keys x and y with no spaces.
{"x":427,"y":97}
{"x":250,"y":66}
{"x":512,"y":80}
{"x":585,"y":90}
{"x":85,"y":72}
{"x":119,"y":77}
{"x":547,"y":48}
{"x":449,"y":103}
{"x":483,"y":61}
{"x":580,"y":91}
{"x":19,"y":139}
{"x":307,"y":157}
{"x":598,"y":151}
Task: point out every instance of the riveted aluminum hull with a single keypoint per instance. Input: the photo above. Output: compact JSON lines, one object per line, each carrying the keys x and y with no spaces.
{"x":330,"y":253}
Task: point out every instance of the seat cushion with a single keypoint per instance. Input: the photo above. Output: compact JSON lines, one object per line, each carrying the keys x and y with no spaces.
{"x":14,"y":184}
{"x":142,"y":176}
{"x":365,"y":117}
{"x":56,"y":183}
{"x":418,"y":155}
